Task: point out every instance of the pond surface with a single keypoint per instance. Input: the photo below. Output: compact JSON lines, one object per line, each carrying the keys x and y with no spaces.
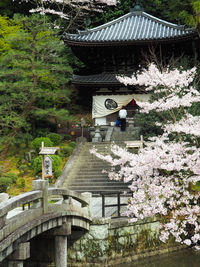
{"x":184,"y":258}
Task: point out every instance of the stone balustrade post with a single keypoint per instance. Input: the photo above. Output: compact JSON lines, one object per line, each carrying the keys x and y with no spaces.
{"x":2,"y":220}
{"x":88,"y":196}
{"x":3,"y":197}
{"x":42,"y":185}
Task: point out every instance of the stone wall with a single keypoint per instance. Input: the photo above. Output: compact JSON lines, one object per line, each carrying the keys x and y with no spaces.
{"x":111,"y":242}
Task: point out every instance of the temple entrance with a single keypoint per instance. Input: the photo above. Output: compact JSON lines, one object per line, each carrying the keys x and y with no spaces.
{"x":105,"y":108}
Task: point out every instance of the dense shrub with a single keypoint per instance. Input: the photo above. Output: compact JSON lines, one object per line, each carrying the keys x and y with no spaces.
{"x":41,"y":132}
{"x":37,"y":143}
{"x":57,"y":173}
{"x":67,"y":137}
{"x":66,"y":151}
{"x":73,"y":144}
{"x":37,"y":163}
{"x":1,"y":169}
{"x":5,"y":182}
{"x":23,"y":169}
{"x":12,"y":176}
{"x":55,"y":138}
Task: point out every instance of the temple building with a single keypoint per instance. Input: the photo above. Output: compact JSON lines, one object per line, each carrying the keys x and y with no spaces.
{"x":121,"y":47}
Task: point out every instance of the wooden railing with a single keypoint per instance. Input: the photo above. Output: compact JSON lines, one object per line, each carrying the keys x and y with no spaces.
{"x":118,"y":205}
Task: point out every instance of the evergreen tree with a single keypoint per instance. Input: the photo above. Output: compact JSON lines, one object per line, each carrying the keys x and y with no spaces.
{"x":180,"y":11}
{"x":8,"y":8}
{"x":34,"y":75}
{"x":7,"y":28}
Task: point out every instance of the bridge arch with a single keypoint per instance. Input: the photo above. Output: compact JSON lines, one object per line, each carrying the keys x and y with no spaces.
{"x":36,"y":216}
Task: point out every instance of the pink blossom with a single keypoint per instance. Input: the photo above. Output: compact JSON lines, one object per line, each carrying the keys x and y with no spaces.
{"x":44,"y":6}
{"x":187,"y":242}
{"x":162,"y":172}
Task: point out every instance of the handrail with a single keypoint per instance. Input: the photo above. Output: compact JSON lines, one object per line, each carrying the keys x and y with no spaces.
{"x":39,"y":195}
{"x":19,"y":200}
{"x":68,"y":193}
{"x":31,"y":196}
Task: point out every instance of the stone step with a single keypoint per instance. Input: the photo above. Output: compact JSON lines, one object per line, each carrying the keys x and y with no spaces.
{"x":102,"y":184}
{"x":103,"y":151}
{"x":93,"y":157}
{"x":97,"y":188}
{"x":88,"y":154}
{"x":90,"y":159}
{"x":91,"y":172}
{"x":86,"y":172}
{"x":83,"y":164}
{"x":87,"y":178}
{"x":102,"y":145}
{"x":96,"y":179}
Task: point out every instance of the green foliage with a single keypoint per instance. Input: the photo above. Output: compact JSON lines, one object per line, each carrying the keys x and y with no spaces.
{"x":8,"y":28}
{"x":195,"y":109}
{"x":5,"y":182}
{"x":11,"y":176}
{"x":72,"y":144}
{"x":55,"y":138}
{"x":191,"y":16}
{"x":1,"y":169}
{"x":66,"y":151}
{"x":37,"y":143}
{"x":34,"y":76}
{"x":37,"y":163}
{"x":57,"y":173}
{"x":41,"y":132}
{"x":23,"y":169}
{"x":21,"y":183}
{"x":67,"y":137}
{"x":147,"y":124}
{"x":179,"y":11}
{"x":9,"y":7}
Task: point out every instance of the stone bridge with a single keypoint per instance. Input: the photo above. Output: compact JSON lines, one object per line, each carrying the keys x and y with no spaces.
{"x":29,"y":218}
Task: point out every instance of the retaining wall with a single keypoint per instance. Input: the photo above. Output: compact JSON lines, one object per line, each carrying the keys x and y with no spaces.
{"x":111,"y":242}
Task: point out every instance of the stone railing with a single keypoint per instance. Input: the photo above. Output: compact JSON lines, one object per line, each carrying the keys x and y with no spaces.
{"x":21,"y":214}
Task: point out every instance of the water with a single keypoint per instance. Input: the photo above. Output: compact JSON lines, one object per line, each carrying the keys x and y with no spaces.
{"x":184,"y":258}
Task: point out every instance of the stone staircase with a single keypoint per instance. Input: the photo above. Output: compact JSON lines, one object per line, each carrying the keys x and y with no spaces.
{"x":131,"y":133}
{"x":86,"y":175}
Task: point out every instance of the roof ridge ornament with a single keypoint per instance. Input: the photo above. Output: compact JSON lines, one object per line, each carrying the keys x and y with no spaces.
{"x":137,"y":7}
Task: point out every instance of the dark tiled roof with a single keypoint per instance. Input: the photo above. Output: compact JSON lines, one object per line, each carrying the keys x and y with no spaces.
{"x":97,"y":79}
{"x":136,"y":26}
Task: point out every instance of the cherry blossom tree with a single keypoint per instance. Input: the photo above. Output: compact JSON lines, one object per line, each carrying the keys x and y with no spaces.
{"x":73,"y":11}
{"x":165,"y":174}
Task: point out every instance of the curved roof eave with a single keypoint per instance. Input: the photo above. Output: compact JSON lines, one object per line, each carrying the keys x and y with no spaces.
{"x":130,"y":42}
{"x":136,"y":26}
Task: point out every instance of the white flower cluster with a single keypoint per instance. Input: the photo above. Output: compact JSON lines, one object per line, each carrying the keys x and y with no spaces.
{"x":165,"y":175}
{"x":192,"y":122}
{"x":152,"y":77}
